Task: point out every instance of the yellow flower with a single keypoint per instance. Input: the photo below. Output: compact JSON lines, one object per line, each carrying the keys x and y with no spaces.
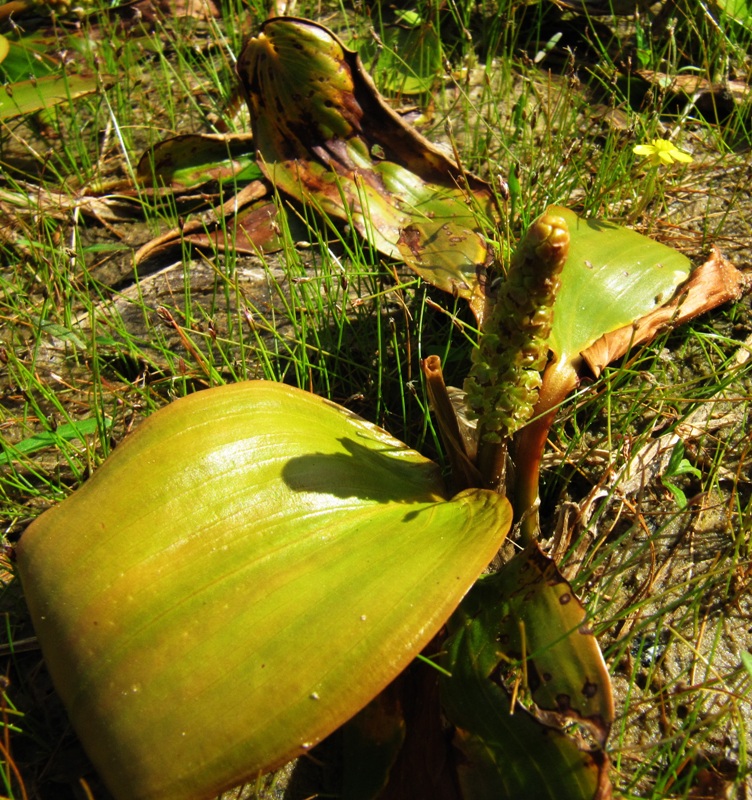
{"x":661,"y":151}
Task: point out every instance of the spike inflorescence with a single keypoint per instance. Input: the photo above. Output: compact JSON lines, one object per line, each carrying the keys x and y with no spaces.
{"x":505,"y":377}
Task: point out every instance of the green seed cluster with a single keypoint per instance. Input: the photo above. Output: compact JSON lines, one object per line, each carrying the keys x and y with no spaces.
{"x":505,"y":377}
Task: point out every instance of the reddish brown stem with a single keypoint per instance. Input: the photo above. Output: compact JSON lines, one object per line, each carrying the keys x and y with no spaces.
{"x":492,"y":461}
{"x":559,"y":379}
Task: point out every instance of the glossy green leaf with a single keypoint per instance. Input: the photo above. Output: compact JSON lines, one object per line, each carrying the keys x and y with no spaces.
{"x":189,"y":160}
{"x":618,"y":289}
{"x":613,"y":277}
{"x":36,"y":94}
{"x":524,"y":625}
{"x":325,"y":137}
{"x":245,"y":572}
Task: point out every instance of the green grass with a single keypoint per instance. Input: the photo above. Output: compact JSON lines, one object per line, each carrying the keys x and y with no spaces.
{"x":334,"y":317}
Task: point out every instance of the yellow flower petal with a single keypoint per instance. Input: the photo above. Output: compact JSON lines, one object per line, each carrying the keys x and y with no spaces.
{"x":662,"y":151}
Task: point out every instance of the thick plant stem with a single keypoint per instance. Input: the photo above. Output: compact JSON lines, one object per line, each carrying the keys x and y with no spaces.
{"x":464,"y":473}
{"x":14,"y":7}
{"x":558,"y":381}
{"x":492,"y":461}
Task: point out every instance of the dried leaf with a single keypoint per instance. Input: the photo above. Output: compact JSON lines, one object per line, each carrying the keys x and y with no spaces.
{"x":246,"y":223}
{"x":326,"y":137}
{"x":695,"y":85}
{"x":716,"y":282}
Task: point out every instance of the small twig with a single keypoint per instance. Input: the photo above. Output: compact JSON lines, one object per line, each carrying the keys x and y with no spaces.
{"x":19,"y":646}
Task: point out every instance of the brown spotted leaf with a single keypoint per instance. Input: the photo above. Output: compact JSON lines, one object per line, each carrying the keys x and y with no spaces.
{"x":325,"y":137}
{"x":523,"y":633}
{"x":191,"y":159}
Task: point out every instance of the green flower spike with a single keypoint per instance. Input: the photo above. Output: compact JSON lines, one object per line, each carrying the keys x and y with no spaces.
{"x":502,"y":387}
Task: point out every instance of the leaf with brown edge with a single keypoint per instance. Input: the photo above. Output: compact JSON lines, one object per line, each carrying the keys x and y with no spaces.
{"x":546,"y":625}
{"x":714,"y":283}
{"x":613,"y":278}
{"x":246,"y":223}
{"x":521,"y":633}
{"x":191,"y":160}
{"x":325,"y":137}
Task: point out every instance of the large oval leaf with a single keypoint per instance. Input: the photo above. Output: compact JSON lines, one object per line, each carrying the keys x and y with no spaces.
{"x":245,"y":572}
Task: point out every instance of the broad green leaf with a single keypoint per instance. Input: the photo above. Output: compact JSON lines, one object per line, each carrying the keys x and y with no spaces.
{"x":739,"y":10}
{"x":618,"y":289}
{"x":245,"y":573}
{"x":710,"y":285}
{"x":36,"y":94}
{"x":525,"y":624}
{"x":407,"y":58}
{"x":613,"y":277}
{"x":189,"y":160}
{"x":26,"y":57}
{"x":325,"y":137}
